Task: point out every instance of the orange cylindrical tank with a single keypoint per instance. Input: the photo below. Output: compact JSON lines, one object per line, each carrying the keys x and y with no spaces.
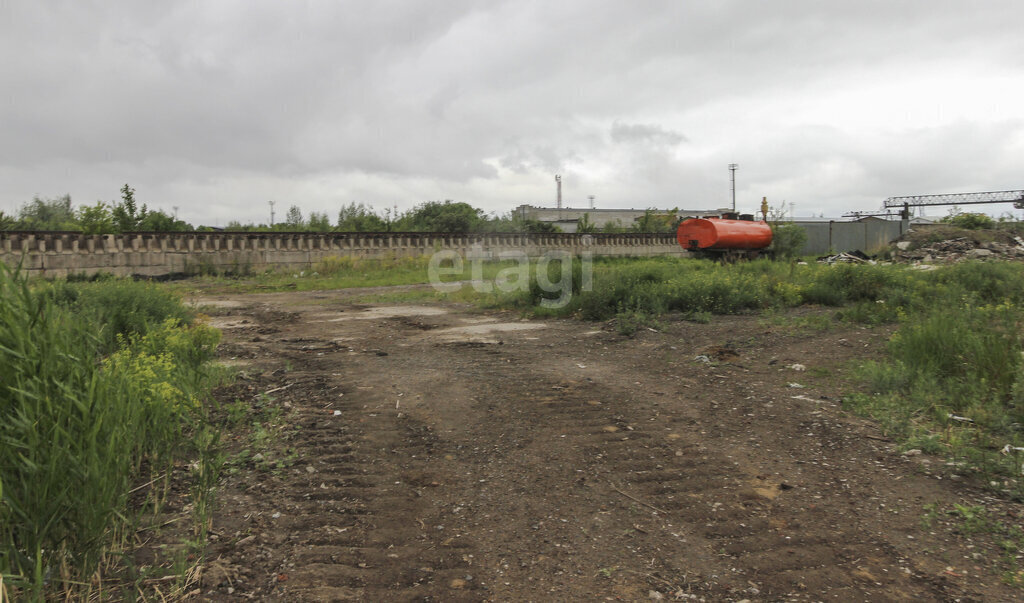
{"x":720,"y":233}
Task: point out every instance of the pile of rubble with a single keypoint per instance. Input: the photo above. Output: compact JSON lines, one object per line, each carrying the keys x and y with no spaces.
{"x":950,"y":251}
{"x":847,"y":257}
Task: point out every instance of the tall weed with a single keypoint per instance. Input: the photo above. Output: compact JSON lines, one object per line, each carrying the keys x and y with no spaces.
{"x":79,"y":422}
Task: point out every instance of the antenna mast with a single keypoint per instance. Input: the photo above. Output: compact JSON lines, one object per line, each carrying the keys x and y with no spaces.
{"x":732,"y":171}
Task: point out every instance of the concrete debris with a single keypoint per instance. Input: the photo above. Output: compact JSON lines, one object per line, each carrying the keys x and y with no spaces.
{"x":950,"y":251}
{"x":846,"y":257}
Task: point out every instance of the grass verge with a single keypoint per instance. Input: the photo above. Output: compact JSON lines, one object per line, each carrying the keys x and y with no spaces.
{"x":101,"y":399}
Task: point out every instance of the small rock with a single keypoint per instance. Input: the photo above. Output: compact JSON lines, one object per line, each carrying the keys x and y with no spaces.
{"x":258,"y":457}
{"x":702,"y":358}
{"x":310,"y":469}
{"x":903,"y":245}
{"x":797,"y":367}
{"x":654,"y":595}
{"x":457,"y":583}
{"x":611,"y":429}
{"x":913,"y":452}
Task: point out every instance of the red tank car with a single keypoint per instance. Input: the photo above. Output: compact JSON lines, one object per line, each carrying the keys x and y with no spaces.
{"x":723,"y":234}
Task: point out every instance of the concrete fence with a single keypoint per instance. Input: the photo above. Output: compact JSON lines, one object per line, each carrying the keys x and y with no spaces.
{"x":56,"y":254}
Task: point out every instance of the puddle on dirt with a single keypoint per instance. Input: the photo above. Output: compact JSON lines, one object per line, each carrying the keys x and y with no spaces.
{"x":227,"y":322}
{"x":215,"y":303}
{"x":382,"y":312}
{"x":478,"y":333}
{"x":477,"y":321}
{"x":491,"y":327}
{"x":230,"y":362}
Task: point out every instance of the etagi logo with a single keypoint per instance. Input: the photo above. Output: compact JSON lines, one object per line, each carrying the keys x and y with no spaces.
{"x":554,"y":277}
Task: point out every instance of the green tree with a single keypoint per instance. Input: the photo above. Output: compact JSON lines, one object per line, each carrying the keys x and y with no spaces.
{"x":319,"y":222}
{"x":434,"y":216}
{"x":356,"y":217}
{"x":293,"y":219}
{"x":47,"y":214}
{"x":127,"y":216}
{"x":654,"y":221}
{"x":7,"y":222}
{"x":95,"y":219}
{"x":612,"y":227}
{"x":788,"y":239}
{"x":584,"y":225}
{"x":159,"y":221}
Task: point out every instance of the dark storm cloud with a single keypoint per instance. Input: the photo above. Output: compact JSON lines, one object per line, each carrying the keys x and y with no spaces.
{"x":211,"y":105}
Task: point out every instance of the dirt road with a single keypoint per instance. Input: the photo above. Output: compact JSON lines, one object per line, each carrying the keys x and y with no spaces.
{"x":437,"y":453}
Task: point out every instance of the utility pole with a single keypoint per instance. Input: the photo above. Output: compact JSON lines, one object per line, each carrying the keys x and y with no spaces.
{"x":732,"y":170}
{"x":591,"y":197}
{"x":271,"y":213}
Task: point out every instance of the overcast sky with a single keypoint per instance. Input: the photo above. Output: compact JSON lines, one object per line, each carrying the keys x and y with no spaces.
{"x":218,"y":107}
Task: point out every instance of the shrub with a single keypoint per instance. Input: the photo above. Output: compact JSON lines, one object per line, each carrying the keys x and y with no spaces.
{"x":123,"y":308}
{"x":788,"y":240}
{"x":970,"y":221}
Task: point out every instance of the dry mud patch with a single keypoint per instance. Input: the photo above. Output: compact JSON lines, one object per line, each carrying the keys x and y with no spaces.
{"x":436,"y":453}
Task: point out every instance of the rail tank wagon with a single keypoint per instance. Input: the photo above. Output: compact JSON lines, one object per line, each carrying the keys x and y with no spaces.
{"x":725,"y":236}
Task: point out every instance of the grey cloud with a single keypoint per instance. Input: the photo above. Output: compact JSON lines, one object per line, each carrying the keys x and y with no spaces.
{"x":400,"y":101}
{"x":644,"y":133}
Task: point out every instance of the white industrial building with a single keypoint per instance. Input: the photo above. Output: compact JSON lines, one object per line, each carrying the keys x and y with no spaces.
{"x":565,"y":217}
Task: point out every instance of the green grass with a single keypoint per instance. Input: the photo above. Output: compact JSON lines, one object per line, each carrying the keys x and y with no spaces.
{"x":101,"y":388}
{"x":1002,"y":542}
{"x":337,"y":273}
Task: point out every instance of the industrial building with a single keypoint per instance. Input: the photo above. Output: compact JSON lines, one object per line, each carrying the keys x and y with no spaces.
{"x":565,"y":217}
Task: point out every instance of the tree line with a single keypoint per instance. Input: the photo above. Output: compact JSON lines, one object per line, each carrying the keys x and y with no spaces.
{"x":127,"y":215}
{"x":102,"y":218}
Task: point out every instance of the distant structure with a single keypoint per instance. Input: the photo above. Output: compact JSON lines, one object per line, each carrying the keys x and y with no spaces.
{"x":558,"y":184}
{"x":1015,"y":197}
{"x":565,"y":217}
{"x":732,"y":173}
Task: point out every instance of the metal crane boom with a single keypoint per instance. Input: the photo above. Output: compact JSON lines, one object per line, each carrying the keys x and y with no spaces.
{"x":1015,"y":197}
